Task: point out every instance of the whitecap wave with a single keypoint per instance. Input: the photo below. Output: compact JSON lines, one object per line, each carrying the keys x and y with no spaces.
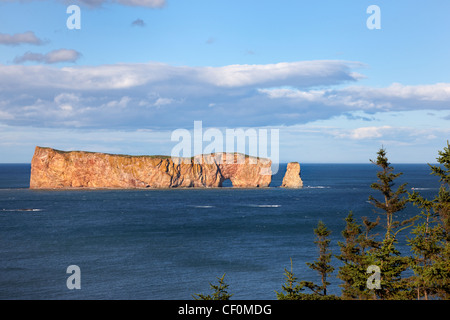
{"x":21,"y":210}
{"x":204,"y":207}
{"x":265,"y":205}
{"x":318,"y":187}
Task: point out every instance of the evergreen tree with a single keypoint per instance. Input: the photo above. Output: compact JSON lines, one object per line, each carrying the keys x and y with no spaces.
{"x":322,"y":265}
{"x":392,"y":201}
{"x":442,"y":201}
{"x":430,"y":246}
{"x":354,"y":258}
{"x":367,"y":240}
{"x":426,"y":248}
{"x":291,"y":290}
{"x":360,"y":249}
{"x":219,"y":291}
{"x":369,"y":245}
{"x":386,"y":256}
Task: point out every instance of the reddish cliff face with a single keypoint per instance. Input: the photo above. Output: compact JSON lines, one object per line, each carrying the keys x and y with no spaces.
{"x":292,"y":177}
{"x":54,"y":169}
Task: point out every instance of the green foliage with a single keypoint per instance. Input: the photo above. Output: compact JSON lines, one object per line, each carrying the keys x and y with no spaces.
{"x":430,"y":247}
{"x":219,"y":291}
{"x":322,"y":264}
{"x":392,"y":200}
{"x":442,"y":200}
{"x":292,"y":288}
{"x":355,"y":261}
{"x":361,"y":248}
{"x":385,"y":255}
{"x":367,"y":239}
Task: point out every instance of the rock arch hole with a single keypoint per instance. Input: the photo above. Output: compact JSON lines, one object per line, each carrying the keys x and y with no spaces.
{"x":227,"y":183}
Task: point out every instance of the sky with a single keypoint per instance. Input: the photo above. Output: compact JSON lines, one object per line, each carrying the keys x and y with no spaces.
{"x":137,"y":70}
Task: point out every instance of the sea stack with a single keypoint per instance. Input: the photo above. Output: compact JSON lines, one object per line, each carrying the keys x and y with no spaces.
{"x":55,"y":169}
{"x":292,"y":177}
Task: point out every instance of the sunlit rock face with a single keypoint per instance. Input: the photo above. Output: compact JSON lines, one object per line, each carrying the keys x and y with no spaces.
{"x":292,"y":176}
{"x":54,"y":169}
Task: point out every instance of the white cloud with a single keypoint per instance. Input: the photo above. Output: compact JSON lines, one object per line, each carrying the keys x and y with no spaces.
{"x":121,"y":103}
{"x":20,"y":38}
{"x":66,"y":97}
{"x":5,"y":115}
{"x":433,"y":92}
{"x":160,"y":96}
{"x":122,"y":76}
{"x":312,"y":95}
{"x":163,"y":101}
{"x":394,"y":97}
{"x":66,"y":107}
{"x":299,"y":74}
{"x":55,"y":56}
{"x":367,"y":132}
{"x":62,"y":55}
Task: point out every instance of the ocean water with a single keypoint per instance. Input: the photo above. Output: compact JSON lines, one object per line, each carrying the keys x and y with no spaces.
{"x":170,"y":244}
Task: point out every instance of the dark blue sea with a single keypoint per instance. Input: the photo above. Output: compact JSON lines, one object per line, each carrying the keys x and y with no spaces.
{"x":170,"y":244}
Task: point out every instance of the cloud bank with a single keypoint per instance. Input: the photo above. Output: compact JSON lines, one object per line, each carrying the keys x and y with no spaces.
{"x":163,"y":97}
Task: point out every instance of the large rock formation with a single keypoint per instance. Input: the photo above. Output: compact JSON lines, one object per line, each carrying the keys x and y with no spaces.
{"x":292,"y":176}
{"x":52,"y":169}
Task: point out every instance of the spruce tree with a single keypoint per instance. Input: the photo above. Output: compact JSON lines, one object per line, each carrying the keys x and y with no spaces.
{"x":392,"y":201}
{"x":430,"y":246}
{"x":220,"y":291}
{"x":291,"y":290}
{"x":425,"y":247}
{"x":386,"y":256}
{"x":322,"y":264}
{"x":355,"y":261}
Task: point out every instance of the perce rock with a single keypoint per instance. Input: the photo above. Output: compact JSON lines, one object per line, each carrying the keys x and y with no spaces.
{"x":54,"y":169}
{"x":292,"y":177}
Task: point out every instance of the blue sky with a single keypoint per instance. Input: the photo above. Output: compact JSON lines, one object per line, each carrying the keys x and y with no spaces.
{"x":139,"y":69}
